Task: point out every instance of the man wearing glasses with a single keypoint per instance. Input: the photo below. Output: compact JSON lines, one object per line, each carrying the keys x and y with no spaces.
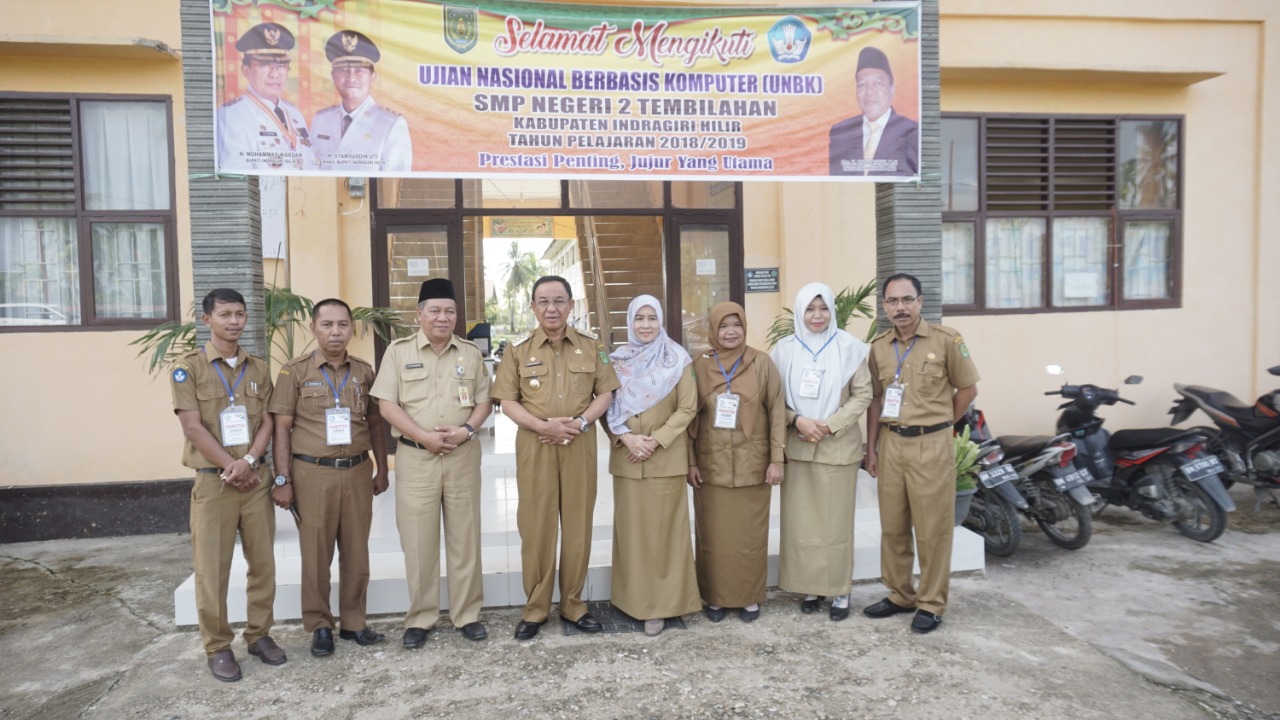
{"x":260,"y":130}
{"x":554,"y":385}
{"x":923,"y":381}
{"x":358,"y":134}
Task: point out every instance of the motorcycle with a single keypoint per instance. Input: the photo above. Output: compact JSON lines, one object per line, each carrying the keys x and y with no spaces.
{"x":1163,"y":473}
{"x":1051,"y":490}
{"x":1247,"y":438}
{"x":993,"y":512}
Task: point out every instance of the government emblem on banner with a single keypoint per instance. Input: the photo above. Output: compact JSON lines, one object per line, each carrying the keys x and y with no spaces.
{"x":789,"y":40}
{"x":460,"y":27}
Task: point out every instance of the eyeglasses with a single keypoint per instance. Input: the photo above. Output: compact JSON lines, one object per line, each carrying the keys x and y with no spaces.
{"x":544,"y":303}
{"x":905,"y":300}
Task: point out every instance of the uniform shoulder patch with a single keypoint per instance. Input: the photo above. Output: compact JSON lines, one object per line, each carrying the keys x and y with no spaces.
{"x":180,"y":373}
{"x":957,"y":339}
{"x":604,"y":354}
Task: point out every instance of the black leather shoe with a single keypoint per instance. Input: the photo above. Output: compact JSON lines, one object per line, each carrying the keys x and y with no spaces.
{"x":714,"y":614}
{"x":224,"y":667}
{"x":474,"y":631}
{"x":414,"y":638}
{"x":528,"y":630}
{"x":838,"y":614}
{"x":588,"y":624}
{"x":925,"y":622}
{"x":749,"y":615}
{"x":885,"y":608}
{"x":364,"y":636}
{"x":322,"y":642}
{"x":809,"y":607}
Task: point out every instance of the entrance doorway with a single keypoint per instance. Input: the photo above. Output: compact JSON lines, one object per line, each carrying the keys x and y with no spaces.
{"x":612,"y":240}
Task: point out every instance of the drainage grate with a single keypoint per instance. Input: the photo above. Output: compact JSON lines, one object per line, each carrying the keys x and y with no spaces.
{"x":616,"y":621}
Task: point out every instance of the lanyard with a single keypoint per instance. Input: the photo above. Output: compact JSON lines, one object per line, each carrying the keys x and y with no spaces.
{"x":231,"y":389}
{"x":903,"y":356}
{"x":811,"y":352}
{"x":728,"y":376}
{"x":337,"y":391}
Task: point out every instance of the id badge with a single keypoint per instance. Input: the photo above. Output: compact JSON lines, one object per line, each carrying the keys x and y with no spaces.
{"x":810,"y":382}
{"x":892,"y":401}
{"x":464,"y":396}
{"x":235,"y":425}
{"x":337,"y":426}
{"x":727,"y":411}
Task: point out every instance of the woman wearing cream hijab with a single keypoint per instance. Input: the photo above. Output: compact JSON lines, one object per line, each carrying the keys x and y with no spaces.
{"x":827,"y":387}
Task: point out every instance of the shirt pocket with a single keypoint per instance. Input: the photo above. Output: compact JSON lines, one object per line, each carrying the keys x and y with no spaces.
{"x":534,"y":381}
{"x":415,"y":384}
{"x":314,"y":400}
{"x":254,"y":398}
{"x":582,"y":376}
{"x":933,"y":374}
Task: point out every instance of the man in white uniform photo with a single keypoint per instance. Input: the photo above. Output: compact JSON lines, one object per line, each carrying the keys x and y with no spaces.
{"x":358,"y":134}
{"x":260,"y":130}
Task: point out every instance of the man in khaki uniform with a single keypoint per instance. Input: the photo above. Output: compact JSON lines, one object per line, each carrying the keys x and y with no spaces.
{"x":325,"y":425}
{"x":220,"y":395}
{"x":923,"y":380}
{"x":555,"y":384}
{"x":434,"y":390}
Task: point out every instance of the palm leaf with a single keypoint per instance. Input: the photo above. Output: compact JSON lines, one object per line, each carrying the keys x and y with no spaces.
{"x":849,"y":302}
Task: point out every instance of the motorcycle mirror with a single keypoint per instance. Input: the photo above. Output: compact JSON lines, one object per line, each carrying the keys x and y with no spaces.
{"x":1054,"y":370}
{"x":1133,"y":380}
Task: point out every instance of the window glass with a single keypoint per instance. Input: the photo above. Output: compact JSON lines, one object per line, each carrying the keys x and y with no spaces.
{"x":960,"y":164}
{"x":39,"y":272}
{"x":1080,"y":261}
{"x":423,"y":193}
{"x":957,"y":263}
{"x":129,"y":270}
{"x":125,"y":151}
{"x":511,"y":193}
{"x":1146,"y":259}
{"x":1015,"y":262}
{"x":1148,"y":164}
{"x":703,"y":194}
{"x":704,"y":280}
{"x":615,"y":194}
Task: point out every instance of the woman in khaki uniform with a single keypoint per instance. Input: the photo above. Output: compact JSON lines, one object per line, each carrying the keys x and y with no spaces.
{"x":736,"y":457}
{"x":653,"y":572}
{"x":827,"y":386}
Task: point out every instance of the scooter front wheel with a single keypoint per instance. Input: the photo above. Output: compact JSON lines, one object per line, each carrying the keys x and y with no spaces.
{"x":1199,"y":517}
{"x":996,"y":520}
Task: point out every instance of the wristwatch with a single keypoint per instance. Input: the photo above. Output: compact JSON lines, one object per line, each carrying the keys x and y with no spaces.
{"x":253,"y":461}
{"x":582,"y":423}
{"x":471,"y":432}
{"x":281,"y":481}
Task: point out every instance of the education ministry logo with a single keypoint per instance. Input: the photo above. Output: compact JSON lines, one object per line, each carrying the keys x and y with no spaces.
{"x":460,"y":27}
{"x":789,"y":40}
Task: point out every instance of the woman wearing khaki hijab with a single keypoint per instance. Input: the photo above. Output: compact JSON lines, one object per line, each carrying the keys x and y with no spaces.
{"x":828,"y":387}
{"x":653,"y":574}
{"x":739,"y":438}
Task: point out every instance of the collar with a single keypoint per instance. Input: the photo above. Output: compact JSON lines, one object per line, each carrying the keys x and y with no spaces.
{"x":272,"y":104}
{"x":318,"y":357}
{"x":212,"y":353}
{"x":424,"y":342}
{"x":361,"y":109}
{"x":540,"y":338}
{"x":884,"y":120}
{"x":922,"y":330}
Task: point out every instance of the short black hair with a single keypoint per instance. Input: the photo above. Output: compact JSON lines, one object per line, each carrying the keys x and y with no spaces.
{"x":551,"y":278}
{"x":902,"y":276}
{"x":315,"y":309}
{"x":221,"y":295}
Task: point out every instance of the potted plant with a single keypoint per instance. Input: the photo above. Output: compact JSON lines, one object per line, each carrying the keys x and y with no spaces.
{"x":966,"y":473}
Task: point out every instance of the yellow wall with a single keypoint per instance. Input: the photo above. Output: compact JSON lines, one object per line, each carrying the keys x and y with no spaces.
{"x":81,"y":407}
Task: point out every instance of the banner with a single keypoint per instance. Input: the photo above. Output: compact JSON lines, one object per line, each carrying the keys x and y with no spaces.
{"x":406,"y":88}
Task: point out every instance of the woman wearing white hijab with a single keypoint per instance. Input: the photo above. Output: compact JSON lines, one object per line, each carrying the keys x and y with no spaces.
{"x":653,"y":570}
{"x":827,"y":387}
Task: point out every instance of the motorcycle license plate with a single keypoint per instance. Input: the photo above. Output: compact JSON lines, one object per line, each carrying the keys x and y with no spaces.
{"x":997,"y":476}
{"x":1202,"y":468}
{"x":1073,"y":479}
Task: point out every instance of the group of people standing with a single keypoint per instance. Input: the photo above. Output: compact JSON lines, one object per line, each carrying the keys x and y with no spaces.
{"x":731,"y":423}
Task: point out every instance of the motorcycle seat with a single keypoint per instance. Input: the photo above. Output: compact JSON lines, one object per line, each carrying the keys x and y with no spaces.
{"x":1221,"y":400}
{"x":1145,"y":439}
{"x":1018,"y":445}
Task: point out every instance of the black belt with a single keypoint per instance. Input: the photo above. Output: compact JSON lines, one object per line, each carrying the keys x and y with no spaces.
{"x":209,"y":470}
{"x":340,"y":463}
{"x":917,"y":430}
{"x":406,"y":441}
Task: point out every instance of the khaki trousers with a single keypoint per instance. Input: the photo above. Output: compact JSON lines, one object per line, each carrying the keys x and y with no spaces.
{"x":218,"y":511}
{"x":917,"y":491}
{"x":427,"y":486}
{"x":336,"y":505}
{"x":557,"y":487}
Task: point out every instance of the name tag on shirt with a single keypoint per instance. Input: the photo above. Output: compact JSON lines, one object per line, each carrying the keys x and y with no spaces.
{"x":727,"y":411}
{"x":810,"y":382}
{"x":234,"y":421}
{"x":464,"y":396}
{"x":337,"y":426}
{"x":892,"y":401}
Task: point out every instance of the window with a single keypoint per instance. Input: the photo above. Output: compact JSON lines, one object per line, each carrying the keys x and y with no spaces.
{"x":1049,"y":214}
{"x":86,"y":212}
